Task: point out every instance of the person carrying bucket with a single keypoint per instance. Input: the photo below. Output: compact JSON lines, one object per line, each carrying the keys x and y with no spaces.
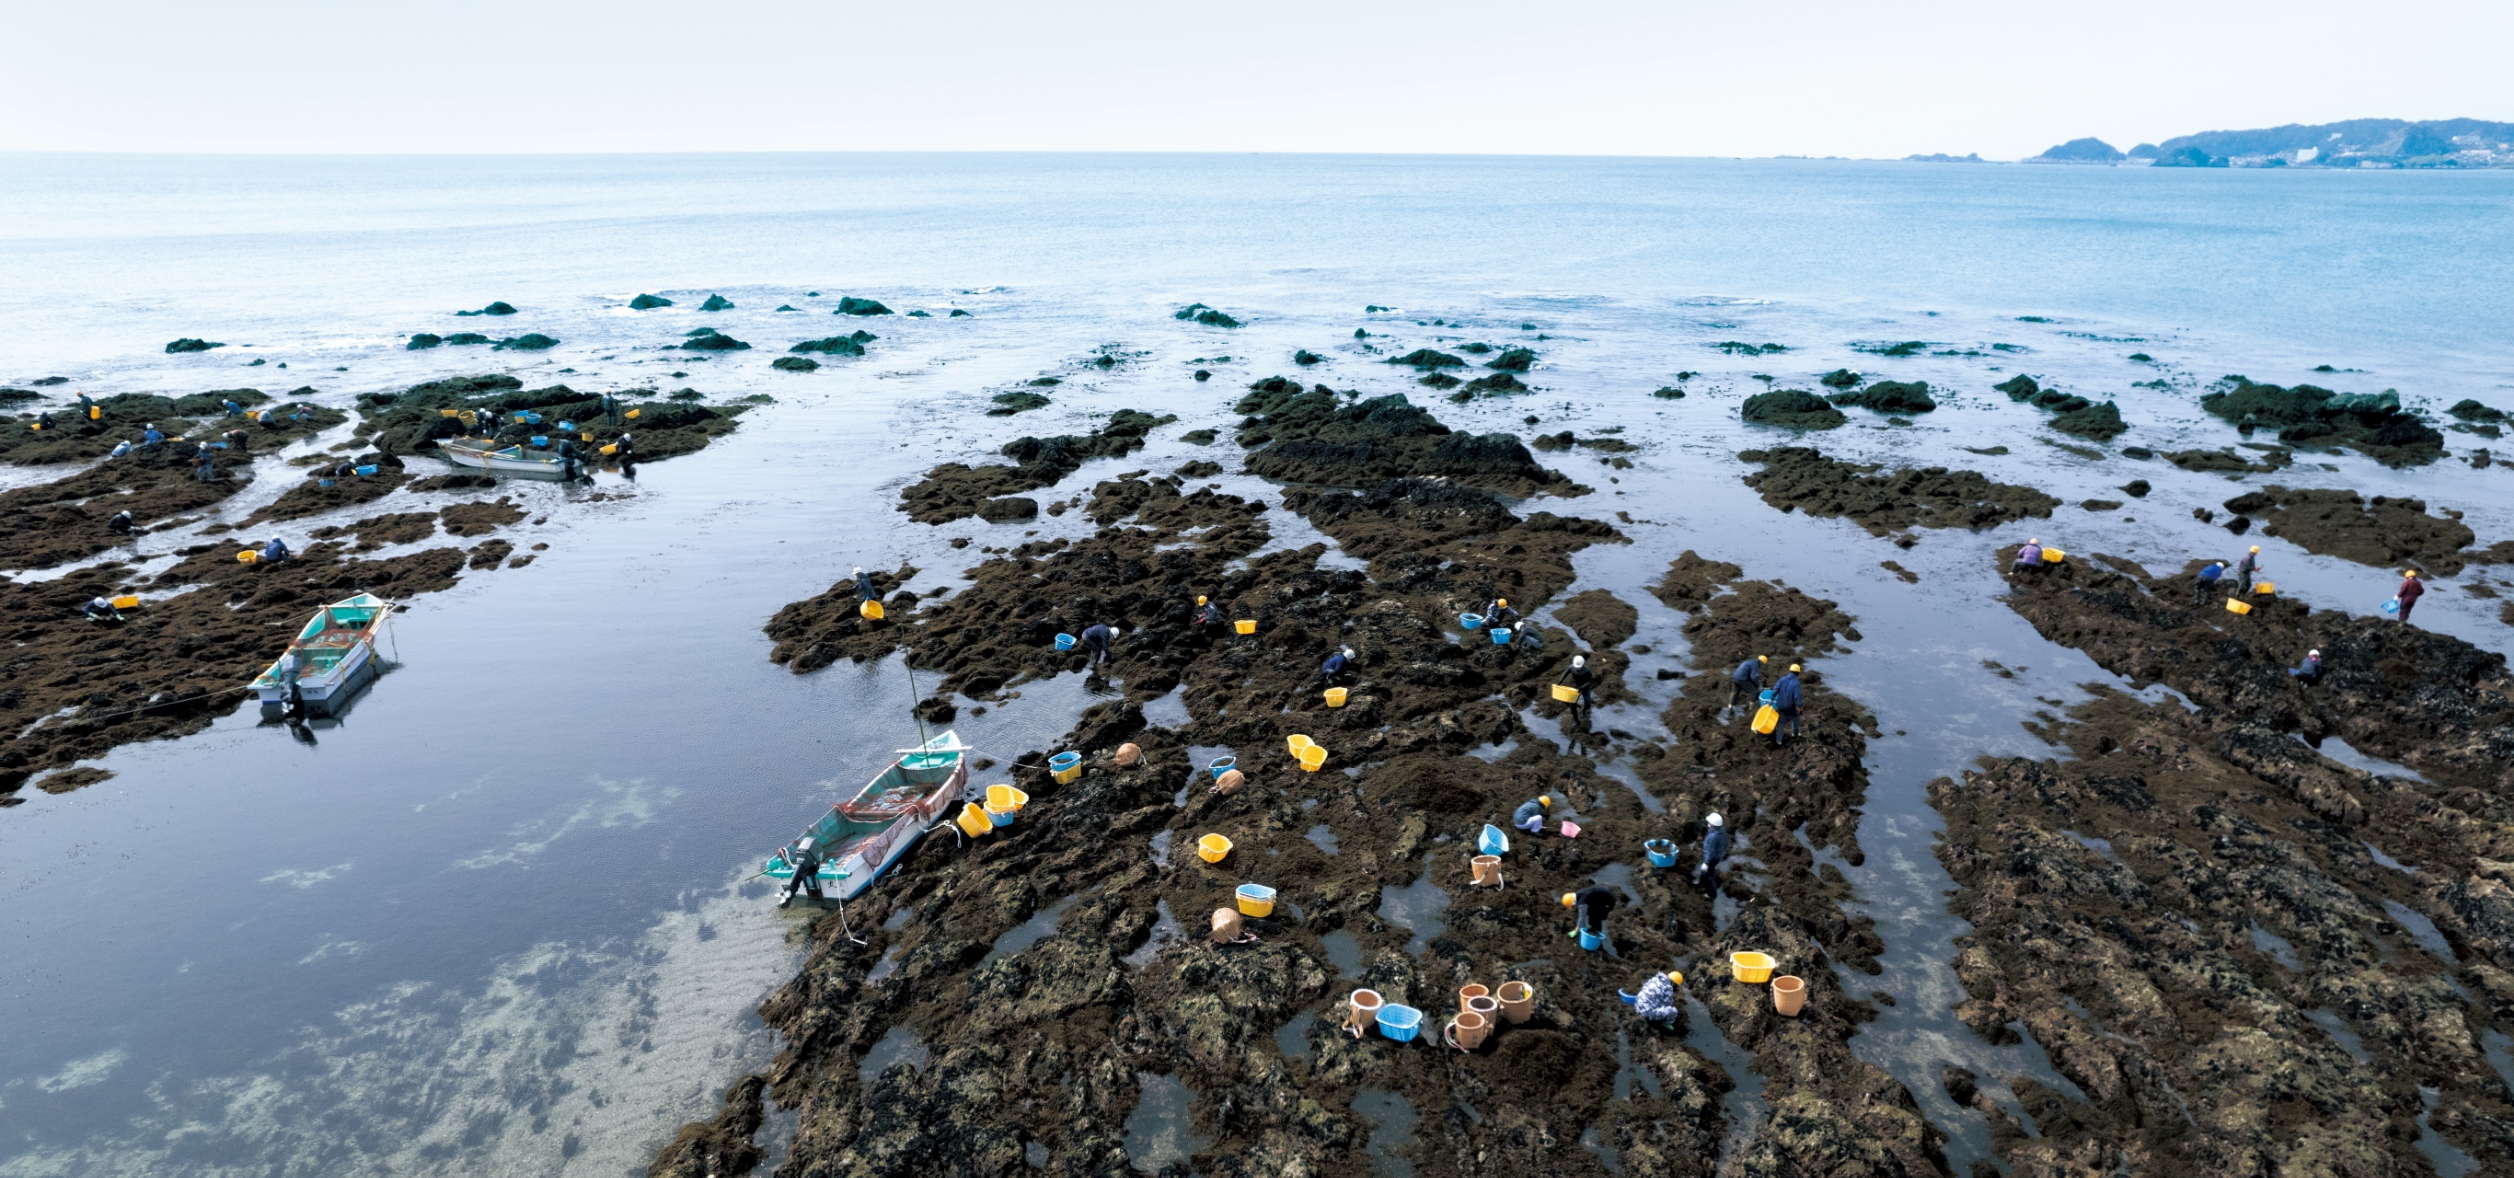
{"x":1589,"y":907}
{"x":2029,"y":556}
{"x":1582,"y":680}
{"x":1714,"y":849}
{"x":1530,"y":816}
{"x":2206,"y":583}
{"x":864,"y":590}
{"x":2410,"y":591}
{"x":806,"y":860}
{"x":1746,"y":679}
{"x":1787,"y":701}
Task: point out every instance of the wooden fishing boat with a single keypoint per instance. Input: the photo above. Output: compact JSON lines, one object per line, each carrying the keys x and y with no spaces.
{"x":861,"y":837}
{"x":516,"y":459}
{"x":335,"y":657}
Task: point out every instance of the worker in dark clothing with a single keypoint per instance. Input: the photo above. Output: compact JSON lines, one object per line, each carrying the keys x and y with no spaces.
{"x":121,"y":524}
{"x":1099,"y":637}
{"x":1530,"y":816}
{"x":2206,"y":583}
{"x":567,"y":459}
{"x":1208,"y":617}
{"x":239,"y":441}
{"x":99,"y":609}
{"x":628,"y":458}
{"x":202,"y":467}
{"x":2309,"y":672}
{"x":2410,"y":591}
{"x":610,"y":409}
{"x":1589,"y":907}
{"x":1714,"y":849}
{"x":1499,"y":614}
{"x":1581,"y":680}
{"x":805,"y":858}
{"x":1747,"y":679}
{"x":1338,"y":669}
{"x":87,"y":408}
{"x":1786,"y":701}
{"x":2245,"y":568}
{"x":864,"y":590}
{"x":43,"y":421}
{"x":1657,"y":999}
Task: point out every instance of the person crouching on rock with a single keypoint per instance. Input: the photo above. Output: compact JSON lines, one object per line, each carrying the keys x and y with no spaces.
{"x":1099,"y":637}
{"x":1337,"y":671}
{"x":1657,"y":1000}
{"x":152,"y":439}
{"x":1714,"y":849}
{"x":2029,"y":557}
{"x":1589,"y":907}
{"x":1786,"y":701}
{"x":99,"y":609}
{"x":628,"y":458}
{"x":1747,"y":679}
{"x":2410,"y":591}
{"x":2206,"y":583}
{"x":2309,"y":671}
{"x":121,"y":524}
{"x":806,"y":861}
{"x":1208,"y":621}
{"x":275,"y":552}
{"x":1530,"y":816}
{"x":1499,"y":614}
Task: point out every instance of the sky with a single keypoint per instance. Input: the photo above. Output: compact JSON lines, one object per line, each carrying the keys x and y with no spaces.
{"x":1613,"y":77}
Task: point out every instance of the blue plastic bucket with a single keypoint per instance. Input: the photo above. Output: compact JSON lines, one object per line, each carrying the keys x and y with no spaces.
{"x":567,"y":425}
{"x":1066,"y":641}
{"x":1222,"y":765}
{"x":1064,"y":761}
{"x":529,"y":418}
{"x":1629,"y":998}
{"x":2393,"y":606}
{"x":1766,"y":697}
{"x":1471,"y":621}
{"x":1662,"y":853}
{"x":364,"y":471}
{"x":322,"y":482}
{"x":540,"y":439}
{"x":999,"y":818}
{"x":1501,"y":635}
{"x":1400,"y":1022}
{"x":1493,"y":841}
{"x":1590,"y":941}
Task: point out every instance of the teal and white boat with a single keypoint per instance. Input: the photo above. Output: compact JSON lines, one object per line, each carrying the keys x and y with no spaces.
{"x":335,"y":655}
{"x":861,"y":837}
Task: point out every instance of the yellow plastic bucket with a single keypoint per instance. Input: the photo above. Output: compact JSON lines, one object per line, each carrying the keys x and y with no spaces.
{"x":1006,"y":797}
{"x":585,"y":436}
{"x":2236,"y":607}
{"x":1313,"y":757}
{"x":1066,"y":776}
{"x":1751,"y":968}
{"x":1213,"y":848}
{"x":127,"y":601}
{"x":2264,"y":589}
{"x":449,"y":413}
{"x":95,"y":414}
{"x":872,"y":611}
{"x":2052,"y":555}
{"x":973,"y":821}
{"x":1565,"y":694}
{"x":248,"y":556}
{"x":1298,"y":742}
{"x":1767,"y":719}
{"x":1255,"y":900}
{"x":631,"y":414}
{"x":613,"y":448}
{"x":1335,"y":697}
{"x":1245,"y":625}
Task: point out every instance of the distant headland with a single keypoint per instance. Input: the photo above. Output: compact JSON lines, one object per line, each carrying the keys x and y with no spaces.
{"x":2356,"y":143}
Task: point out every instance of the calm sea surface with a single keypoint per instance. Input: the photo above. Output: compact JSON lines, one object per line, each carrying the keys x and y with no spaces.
{"x":496,"y":922}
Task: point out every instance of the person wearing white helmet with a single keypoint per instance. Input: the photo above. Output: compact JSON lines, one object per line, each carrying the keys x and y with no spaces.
{"x":1714,"y":848}
{"x":1338,"y":667}
{"x":2309,"y":671}
{"x":1099,"y":637}
{"x":805,"y":857}
{"x":1581,"y":680}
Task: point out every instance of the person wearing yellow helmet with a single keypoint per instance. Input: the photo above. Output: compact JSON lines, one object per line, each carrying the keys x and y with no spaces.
{"x":1530,"y":816}
{"x":1747,"y":678}
{"x":2410,"y":591}
{"x":1787,"y":700}
{"x":1499,"y":615}
{"x":1657,"y":999}
{"x":2030,"y":556}
{"x":2250,"y":564}
{"x":1589,"y":907}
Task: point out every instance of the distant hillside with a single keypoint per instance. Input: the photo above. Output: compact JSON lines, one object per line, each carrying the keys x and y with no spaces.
{"x":2089,"y":150}
{"x":2381,"y":143}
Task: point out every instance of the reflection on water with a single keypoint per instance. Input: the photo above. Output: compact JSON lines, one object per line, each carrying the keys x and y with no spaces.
{"x":1344,"y":953}
{"x":1041,"y":925}
{"x":1166,"y":931}
{"x":900,"y":1045}
{"x":1391,"y":1118}
{"x":1416,"y":906}
{"x":1743,"y":1108}
{"x":1158,"y":1132}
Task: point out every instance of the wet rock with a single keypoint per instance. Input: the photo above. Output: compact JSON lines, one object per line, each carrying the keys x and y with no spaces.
{"x":2101,"y":505}
{"x":1007,"y":404}
{"x":500,"y":307}
{"x":1305,"y":358}
{"x":412,"y":421}
{"x":185,"y":421}
{"x":2383,"y":532}
{"x":529,"y":342}
{"x":2101,"y":422}
{"x":850,"y":305}
{"x":1512,"y":360}
{"x":2136,"y":488}
{"x":795,"y":364}
{"x":423,"y":341}
{"x":1428,"y":358}
{"x":2373,"y":424}
{"x":708,"y":339}
{"x":461,"y":338}
{"x":1791,"y":409}
{"x":1599,"y":618}
{"x":1890,"y":396}
{"x":716,"y":302}
{"x":997,"y":511}
{"x":721,"y":1147}
{"x":957,"y":313}
{"x":1800,"y":477}
{"x":1439,"y":380}
{"x":1200,"y":313}
{"x":647,"y":302}
{"x":189,"y":344}
{"x":1839,"y":378}
{"x":2229,"y":462}
{"x":1316,"y":437}
{"x":956,"y":491}
{"x":1498,"y":384}
{"x":55,"y":523}
{"x":2473,"y":411}
{"x":851,"y":344}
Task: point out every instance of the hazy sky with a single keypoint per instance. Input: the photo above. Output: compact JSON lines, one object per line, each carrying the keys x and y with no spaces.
{"x":1826,"y":78}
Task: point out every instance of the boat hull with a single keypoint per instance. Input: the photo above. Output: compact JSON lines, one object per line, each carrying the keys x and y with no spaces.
{"x":505,"y":460}
{"x":331,"y":696}
{"x":864,"y":835}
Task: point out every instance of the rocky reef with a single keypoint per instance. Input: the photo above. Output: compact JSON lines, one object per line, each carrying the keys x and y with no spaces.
{"x":1317,"y":436}
{"x":2371,"y":423}
{"x":2384,"y":531}
{"x":1791,"y":409}
{"x":189,"y":344}
{"x":957,"y":491}
{"x":412,"y":421}
{"x":1797,"y":478}
{"x":851,"y":305}
{"x":1889,"y":396}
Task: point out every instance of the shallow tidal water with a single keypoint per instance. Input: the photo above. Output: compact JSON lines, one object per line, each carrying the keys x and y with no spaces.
{"x":496,"y":921}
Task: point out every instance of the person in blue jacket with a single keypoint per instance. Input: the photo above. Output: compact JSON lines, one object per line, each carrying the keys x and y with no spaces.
{"x":1786,"y":701}
{"x":2310,"y":670}
{"x":1530,"y":816}
{"x":1714,"y":849}
{"x":1099,"y":637}
{"x":1746,"y":679}
{"x":1338,"y":667}
{"x":2206,"y":583}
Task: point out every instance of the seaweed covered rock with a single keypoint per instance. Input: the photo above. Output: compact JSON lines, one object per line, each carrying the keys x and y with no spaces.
{"x":54,"y":523}
{"x":411,"y":422}
{"x":1882,"y":501}
{"x":1889,"y":396}
{"x":1426,"y":358}
{"x":1017,"y":401}
{"x":528,"y":342}
{"x":2384,"y":532}
{"x":1314,"y":436}
{"x":1305,"y":358}
{"x":2306,"y":415}
{"x":500,"y":307}
{"x":955,"y":490}
{"x":466,"y":337}
{"x":189,"y":344}
{"x":851,"y":344}
{"x":1498,"y":384}
{"x":647,"y":302}
{"x":195,"y":417}
{"x":1791,"y":409}
{"x":423,"y":341}
{"x":2101,"y":421}
{"x":1200,"y":313}
{"x":1840,"y":378}
{"x":2473,"y":411}
{"x":708,"y":339}
{"x":796,"y":364}
{"x":1512,"y":360}
{"x":851,"y":305}
{"x":716,"y":302}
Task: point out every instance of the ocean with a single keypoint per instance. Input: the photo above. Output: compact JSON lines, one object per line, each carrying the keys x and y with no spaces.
{"x":498,"y":922}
